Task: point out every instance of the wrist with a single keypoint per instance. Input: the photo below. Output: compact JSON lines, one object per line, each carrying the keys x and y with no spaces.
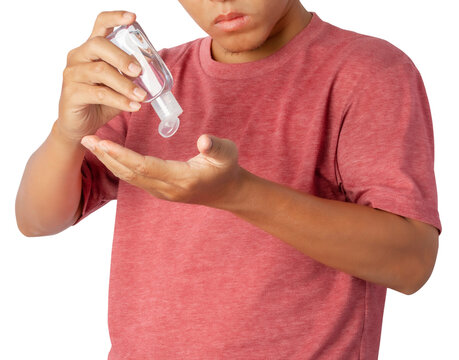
{"x":60,"y":137}
{"x":239,"y":192}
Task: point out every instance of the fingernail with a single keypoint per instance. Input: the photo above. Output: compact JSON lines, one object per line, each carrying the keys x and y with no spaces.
{"x":88,"y":144}
{"x":140,"y":93}
{"x":134,"y":105}
{"x":134,"y":68}
{"x":208,"y":143}
{"x":128,"y":15}
{"x":103,"y":147}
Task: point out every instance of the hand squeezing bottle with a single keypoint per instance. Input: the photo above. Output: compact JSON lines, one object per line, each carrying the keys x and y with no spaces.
{"x":155,"y":77}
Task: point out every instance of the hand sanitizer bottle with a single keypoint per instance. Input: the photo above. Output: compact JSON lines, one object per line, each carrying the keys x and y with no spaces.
{"x":155,"y":77}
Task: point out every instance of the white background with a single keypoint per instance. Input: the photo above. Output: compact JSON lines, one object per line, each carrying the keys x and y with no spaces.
{"x":54,"y":290}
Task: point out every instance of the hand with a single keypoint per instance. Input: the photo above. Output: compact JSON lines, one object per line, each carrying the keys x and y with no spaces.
{"x":212,"y":178}
{"x":93,"y":90}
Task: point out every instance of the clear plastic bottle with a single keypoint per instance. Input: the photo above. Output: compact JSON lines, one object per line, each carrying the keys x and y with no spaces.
{"x":155,"y":78}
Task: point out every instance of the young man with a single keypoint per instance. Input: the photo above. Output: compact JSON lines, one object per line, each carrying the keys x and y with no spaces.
{"x":278,"y":236}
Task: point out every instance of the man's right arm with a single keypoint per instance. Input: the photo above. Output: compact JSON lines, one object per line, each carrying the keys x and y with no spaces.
{"x":49,"y":196}
{"x":93,"y":92}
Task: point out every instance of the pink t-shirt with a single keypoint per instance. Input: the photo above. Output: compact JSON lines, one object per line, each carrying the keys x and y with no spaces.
{"x":334,"y":113}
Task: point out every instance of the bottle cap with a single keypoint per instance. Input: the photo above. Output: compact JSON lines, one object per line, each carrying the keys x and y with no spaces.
{"x":168,"y":110}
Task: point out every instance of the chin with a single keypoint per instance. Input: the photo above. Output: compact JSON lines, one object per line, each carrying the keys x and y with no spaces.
{"x":238,"y":43}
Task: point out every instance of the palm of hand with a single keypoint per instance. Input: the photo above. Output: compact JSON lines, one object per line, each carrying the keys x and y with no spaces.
{"x":209,"y":178}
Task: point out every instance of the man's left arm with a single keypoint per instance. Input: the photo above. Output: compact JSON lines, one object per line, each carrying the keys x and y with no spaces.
{"x":371,"y":244}
{"x":368,"y":243}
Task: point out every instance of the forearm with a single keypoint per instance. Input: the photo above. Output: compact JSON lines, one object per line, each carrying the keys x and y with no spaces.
{"x":367,"y":243}
{"x":49,"y":195}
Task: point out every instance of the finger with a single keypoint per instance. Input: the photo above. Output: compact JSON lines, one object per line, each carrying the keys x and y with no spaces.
{"x":100,"y":72}
{"x":147,"y":166}
{"x":120,"y":170}
{"x":83,"y":94}
{"x":106,"y":21}
{"x":100,"y":48}
{"x":220,"y":150}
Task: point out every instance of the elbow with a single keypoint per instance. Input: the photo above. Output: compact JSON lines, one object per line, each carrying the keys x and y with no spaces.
{"x":26,"y":230}
{"x":22,"y":222}
{"x":38,"y":231}
{"x":30,"y":232}
{"x":35,"y":228}
{"x":411,"y":288}
{"x":419,"y":268}
{"x":22,"y":226}
{"x":32,"y":225}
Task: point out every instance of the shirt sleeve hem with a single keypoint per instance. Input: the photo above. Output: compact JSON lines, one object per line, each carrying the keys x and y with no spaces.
{"x":405,"y":207}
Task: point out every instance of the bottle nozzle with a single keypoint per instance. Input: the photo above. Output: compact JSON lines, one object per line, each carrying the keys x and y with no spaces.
{"x":168,"y":110}
{"x":168,"y":127}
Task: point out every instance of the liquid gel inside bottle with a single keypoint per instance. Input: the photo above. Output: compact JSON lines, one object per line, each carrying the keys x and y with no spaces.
{"x":155,"y":78}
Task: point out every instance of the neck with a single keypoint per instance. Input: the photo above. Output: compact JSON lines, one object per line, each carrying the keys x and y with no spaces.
{"x":293,"y":22}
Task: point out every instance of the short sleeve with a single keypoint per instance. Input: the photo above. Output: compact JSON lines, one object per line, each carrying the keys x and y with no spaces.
{"x":385,"y":152}
{"x":99,"y":185}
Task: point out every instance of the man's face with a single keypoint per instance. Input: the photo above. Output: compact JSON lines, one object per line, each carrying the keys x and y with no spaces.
{"x":248,"y":25}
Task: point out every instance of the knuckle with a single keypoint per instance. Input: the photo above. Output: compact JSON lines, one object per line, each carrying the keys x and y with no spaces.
{"x":69,"y":73}
{"x":159,"y":195}
{"x":141,"y":167}
{"x":188,"y":186}
{"x":174,"y":195}
{"x":128,"y":176}
{"x":180,"y":195}
{"x":99,"y":66}
{"x":101,"y":15}
{"x":70,"y":56}
{"x":94,"y":42}
{"x":69,"y":92}
{"x":66,"y":74}
{"x":100,"y":93}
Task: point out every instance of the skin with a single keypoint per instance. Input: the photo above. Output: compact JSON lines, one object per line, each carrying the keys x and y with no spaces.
{"x":371,"y":244}
{"x":272,"y":24}
{"x":93,"y":92}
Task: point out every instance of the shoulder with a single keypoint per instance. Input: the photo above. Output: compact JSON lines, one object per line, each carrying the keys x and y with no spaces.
{"x":174,"y":55}
{"x":363,"y":61}
{"x":359,"y":52}
{"x":374,"y":54}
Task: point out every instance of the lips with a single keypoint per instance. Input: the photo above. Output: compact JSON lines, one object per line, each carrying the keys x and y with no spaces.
{"x":227,"y":17}
{"x":231,"y":22}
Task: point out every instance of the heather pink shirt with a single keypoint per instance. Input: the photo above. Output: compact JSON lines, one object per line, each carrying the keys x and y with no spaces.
{"x":333,"y":113}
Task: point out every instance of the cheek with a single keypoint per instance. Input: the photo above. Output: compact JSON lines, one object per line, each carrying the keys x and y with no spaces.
{"x":199,"y":12}
{"x":273,"y":10}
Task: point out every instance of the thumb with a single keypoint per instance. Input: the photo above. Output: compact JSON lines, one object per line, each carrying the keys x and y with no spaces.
{"x":222,"y":150}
